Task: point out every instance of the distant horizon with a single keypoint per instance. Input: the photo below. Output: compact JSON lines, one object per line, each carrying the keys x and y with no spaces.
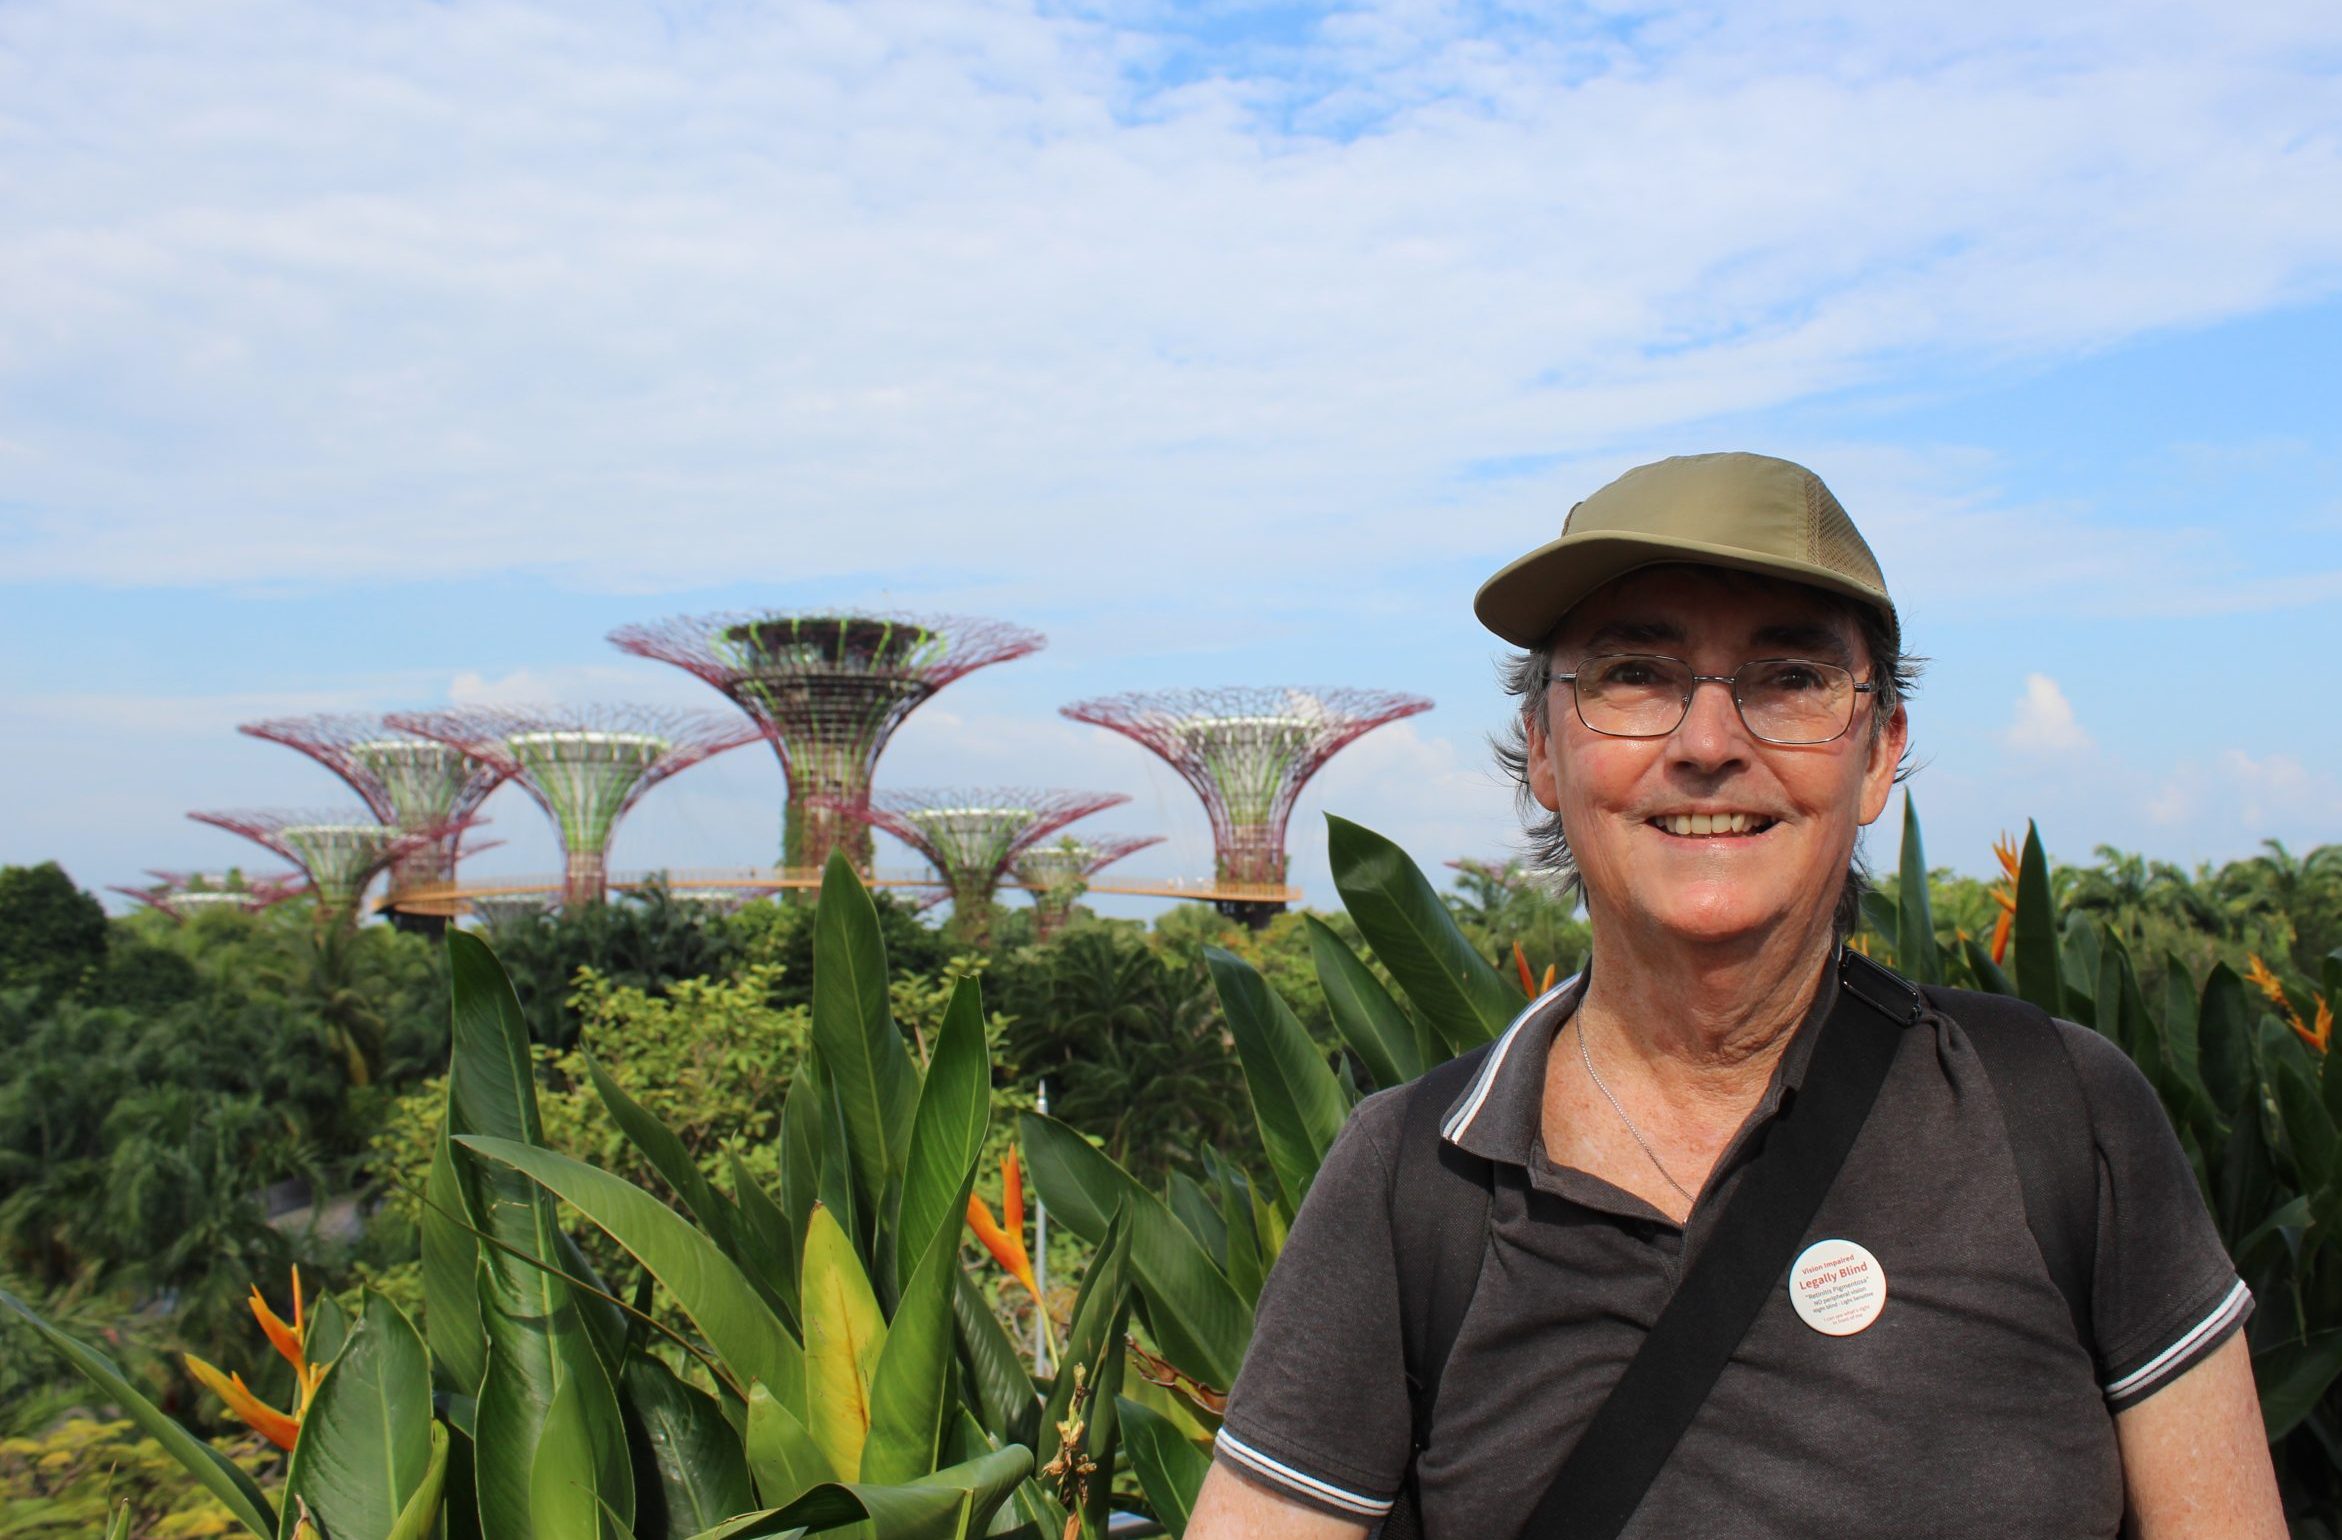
{"x":366,"y":361}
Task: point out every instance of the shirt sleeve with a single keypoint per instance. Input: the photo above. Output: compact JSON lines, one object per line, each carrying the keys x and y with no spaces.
{"x":1319,"y":1412}
{"x":2165,"y":1292}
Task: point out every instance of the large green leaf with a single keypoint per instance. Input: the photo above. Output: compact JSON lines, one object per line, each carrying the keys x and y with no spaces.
{"x":2224,"y":1028}
{"x":702,"y":1474}
{"x":1170,"y":1468}
{"x":1989,"y":976}
{"x":2183,"y":1043}
{"x":211,"y":1469}
{"x":1196,"y":1210}
{"x":1297,"y":1104}
{"x":419,"y":1519}
{"x":2309,"y":1131}
{"x":876,"y":1087}
{"x":540,"y":1354}
{"x":1414,"y":936}
{"x":451,"y":1270}
{"x":2040,"y":976}
{"x":1915,"y":953}
{"x":953,"y":1503}
{"x":844,"y":1334}
{"x":1004,"y":1390}
{"x":2079,"y":952}
{"x":768,"y":1248}
{"x":911,"y":1387}
{"x":549,"y":1441}
{"x":708,"y":1286}
{"x":2294,"y":1376}
{"x":800,"y":1138}
{"x":565,"y":1495}
{"x":326,"y":1329}
{"x":1198,"y":1320}
{"x":1090,"y":1337}
{"x":1247,"y":1263}
{"x":1369,"y":1020}
{"x":947,"y":1135}
{"x":365,"y":1442}
{"x":782,"y":1455}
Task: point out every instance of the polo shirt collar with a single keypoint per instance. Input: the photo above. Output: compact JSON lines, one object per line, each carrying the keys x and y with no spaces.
{"x":1500,"y":1115}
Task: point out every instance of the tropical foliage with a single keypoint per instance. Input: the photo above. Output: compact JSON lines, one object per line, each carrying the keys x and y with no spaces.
{"x":836,"y":1368}
{"x":765,"y":1319}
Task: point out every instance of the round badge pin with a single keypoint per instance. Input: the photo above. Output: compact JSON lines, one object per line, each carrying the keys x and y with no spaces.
{"x":1837,"y":1287}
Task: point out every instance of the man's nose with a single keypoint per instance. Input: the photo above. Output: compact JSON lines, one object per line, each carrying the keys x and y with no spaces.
{"x":1711,"y":734}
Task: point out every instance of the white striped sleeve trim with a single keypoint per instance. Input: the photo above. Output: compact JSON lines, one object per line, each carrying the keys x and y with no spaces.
{"x":1461,"y":1118}
{"x":2224,"y":1315}
{"x":1300,"y":1481}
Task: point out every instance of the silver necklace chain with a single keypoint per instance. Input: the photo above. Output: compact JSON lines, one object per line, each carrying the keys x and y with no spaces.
{"x":1586,"y":1057}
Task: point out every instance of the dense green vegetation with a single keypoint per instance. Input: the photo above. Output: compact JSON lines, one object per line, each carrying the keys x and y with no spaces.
{"x":154,"y":1079}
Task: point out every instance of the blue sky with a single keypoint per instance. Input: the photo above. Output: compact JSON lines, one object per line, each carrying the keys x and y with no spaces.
{"x":360,"y":356}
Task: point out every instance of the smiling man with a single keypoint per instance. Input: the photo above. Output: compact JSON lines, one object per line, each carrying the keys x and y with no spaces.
{"x":1738,"y":1234}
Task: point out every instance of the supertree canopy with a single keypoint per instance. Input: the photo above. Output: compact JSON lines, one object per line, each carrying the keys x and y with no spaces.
{"x":1059,"y":873}
{"x":410,"y":782}
{"x":828,"y":688}
{"x":972,"y":838}
{"x":342,"y":852}
{"x":181,"y":894}
{"x":586,"y":766}
{"x":1247,"y":753}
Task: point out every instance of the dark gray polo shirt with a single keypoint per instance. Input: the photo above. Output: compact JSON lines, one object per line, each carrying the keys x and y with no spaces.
{"x":1966,"y":1408}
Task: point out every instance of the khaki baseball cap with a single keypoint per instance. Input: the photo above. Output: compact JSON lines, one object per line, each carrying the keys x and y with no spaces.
{"x":1746,"y":511}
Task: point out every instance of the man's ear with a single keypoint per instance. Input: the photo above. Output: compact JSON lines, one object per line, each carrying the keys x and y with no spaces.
{"x":1544,"y":784}
{"x":1886,"y":757}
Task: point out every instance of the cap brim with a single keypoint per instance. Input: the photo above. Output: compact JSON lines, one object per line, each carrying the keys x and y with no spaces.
{"x":1525,"y":601}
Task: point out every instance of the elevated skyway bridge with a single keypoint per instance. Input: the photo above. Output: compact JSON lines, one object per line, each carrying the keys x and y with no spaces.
{"x":1252,"y":902}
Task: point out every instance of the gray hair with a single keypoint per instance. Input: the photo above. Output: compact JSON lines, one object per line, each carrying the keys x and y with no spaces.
{"x":1525,"y":676}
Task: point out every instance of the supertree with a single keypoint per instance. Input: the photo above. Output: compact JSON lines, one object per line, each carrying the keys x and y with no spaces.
{"x":828,"y":688}
{"x":1247,"y":752}
{"x":586,"y":766}
{"x":972,"y":838}
{"x":410,"y":782}
{"x":342,"y":851}
{"x":182,"y":894}
{"x":1059,"y":873}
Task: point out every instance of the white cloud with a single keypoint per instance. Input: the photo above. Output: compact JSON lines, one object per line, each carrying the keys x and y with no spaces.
{"x":2261,"y":796}
{"x":816,"y":292}
{"x":2044,"y":721}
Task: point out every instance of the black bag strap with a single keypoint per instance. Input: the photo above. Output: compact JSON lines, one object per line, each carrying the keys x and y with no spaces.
{"x":1756,"y":1237}
{"x":1439,"y":1233}
{"x":2048,"y":1118}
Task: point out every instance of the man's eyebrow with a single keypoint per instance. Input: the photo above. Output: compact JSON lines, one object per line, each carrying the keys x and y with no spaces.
{"x":1805,"y":639}
{"x":1634,"y":633}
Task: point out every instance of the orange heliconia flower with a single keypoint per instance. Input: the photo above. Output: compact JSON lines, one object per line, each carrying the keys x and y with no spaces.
{"x":1552,"y":972}
{"x":1007,"y":1245}
{"x":1012,"y":1194}
{"x":1521,"y":961}
{"x":2320,"y":1036}
{"x":279,"y":1428}
{"x":2004,"y":894}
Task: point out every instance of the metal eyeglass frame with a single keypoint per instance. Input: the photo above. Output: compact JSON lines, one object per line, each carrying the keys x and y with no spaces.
{"x":1578,"y":705}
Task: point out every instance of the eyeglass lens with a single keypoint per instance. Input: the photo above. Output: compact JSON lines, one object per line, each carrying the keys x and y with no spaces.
{"x":1781,"y":700}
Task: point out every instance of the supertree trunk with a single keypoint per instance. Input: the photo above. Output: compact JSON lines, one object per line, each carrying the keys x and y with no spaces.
{"x":971,"y":911}
{"x":585,"y":878}
{"x":814,"y":824}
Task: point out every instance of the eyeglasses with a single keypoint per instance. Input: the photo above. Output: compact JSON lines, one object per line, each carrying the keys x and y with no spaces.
{"x":1780,"y":700}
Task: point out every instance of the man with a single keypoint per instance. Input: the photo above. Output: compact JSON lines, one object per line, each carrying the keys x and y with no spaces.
{"x":1711,"y":709}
